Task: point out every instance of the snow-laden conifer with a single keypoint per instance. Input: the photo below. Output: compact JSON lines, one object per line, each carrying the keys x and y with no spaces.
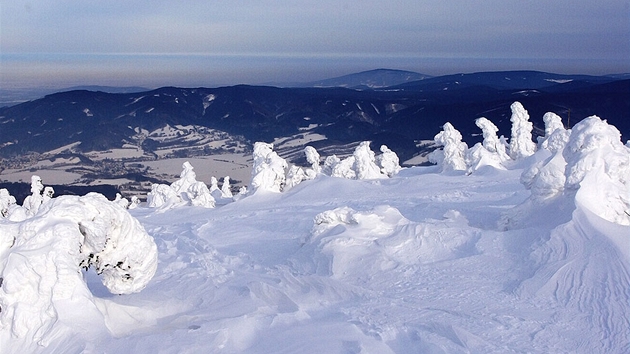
{"x":365,"y":162}
{"x":521,"y":144}
{"x":452,"y":156}
{"x":388,"y":161}
{"x":598,"y":168}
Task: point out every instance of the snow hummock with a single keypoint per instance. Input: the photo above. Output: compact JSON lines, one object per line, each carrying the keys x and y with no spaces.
{"x":531,"y":258}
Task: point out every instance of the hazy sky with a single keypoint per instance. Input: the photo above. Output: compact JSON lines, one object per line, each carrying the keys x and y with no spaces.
{"x":206,"y":43}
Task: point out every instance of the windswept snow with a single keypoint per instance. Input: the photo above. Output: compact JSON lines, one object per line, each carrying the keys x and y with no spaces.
{"x":526,"y":257}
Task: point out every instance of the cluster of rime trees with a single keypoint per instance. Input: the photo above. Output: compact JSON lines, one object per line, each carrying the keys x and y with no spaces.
{"x":270,"y":172}
{"x":40,"y":195}
{"x":590,"y":157}
{"x":493,"y":151}
{"x":188,"y":191}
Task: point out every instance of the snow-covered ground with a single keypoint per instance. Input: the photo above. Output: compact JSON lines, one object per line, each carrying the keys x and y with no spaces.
{"x":422,"y":262}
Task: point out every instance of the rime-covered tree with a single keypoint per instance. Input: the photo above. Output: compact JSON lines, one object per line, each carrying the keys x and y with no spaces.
{"x":365,"y":162}
{"x":521,"y":144}
{"x":388,"y":161}
{"x":452,"y":155}
{"x":268,"y":172}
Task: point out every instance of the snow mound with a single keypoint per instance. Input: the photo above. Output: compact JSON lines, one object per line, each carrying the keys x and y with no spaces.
{"x":43,"y":255}
{"x":355,"y":242}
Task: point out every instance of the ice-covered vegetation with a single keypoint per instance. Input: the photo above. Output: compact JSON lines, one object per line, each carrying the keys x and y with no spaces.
{"x":503,"y":247}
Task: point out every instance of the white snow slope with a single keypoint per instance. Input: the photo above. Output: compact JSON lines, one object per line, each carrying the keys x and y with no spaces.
{"x":417,"y":263}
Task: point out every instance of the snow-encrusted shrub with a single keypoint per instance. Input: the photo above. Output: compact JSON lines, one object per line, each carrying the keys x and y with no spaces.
{"x":521,"y":144}
{"x":388,"y":161}
{"x":491,"y":152}
{"x":41,"y":277}
{"x":598,"y":168}
{"x":452,"y":156}
{"x":268,"y":172}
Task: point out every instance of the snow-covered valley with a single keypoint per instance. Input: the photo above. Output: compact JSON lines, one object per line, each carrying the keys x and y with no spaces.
{"x":512,"y":255}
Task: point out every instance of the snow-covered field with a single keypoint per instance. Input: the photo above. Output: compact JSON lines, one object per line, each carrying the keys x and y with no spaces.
{"x":427,"y":261}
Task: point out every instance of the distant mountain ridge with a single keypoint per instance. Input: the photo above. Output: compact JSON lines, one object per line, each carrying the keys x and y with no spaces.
{"x":399,"y":116}
{"x":371,"y":79}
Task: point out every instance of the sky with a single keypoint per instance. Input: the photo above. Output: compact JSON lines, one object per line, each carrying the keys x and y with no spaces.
{"x":210,"y":43}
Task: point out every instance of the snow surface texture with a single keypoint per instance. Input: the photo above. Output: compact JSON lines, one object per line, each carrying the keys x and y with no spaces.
{"x":505,"y":261}
{"x":42,"y":286}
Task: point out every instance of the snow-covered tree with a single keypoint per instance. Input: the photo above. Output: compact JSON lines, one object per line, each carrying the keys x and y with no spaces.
{"x":214,"y":188}
{"x":521,"y":144}
{"x":312,"y":157}
{"x":491,"y":152}
{"x":329,"y":164}
{"x":123,"y":202}
{"x":268,"y":172}
{"x":388,"y":161}
{"x":161,"y":195}
{"x":552,"y":123}
{"x":7,"y":201}
{"x":344,"y":168}
{"x":186,"y":178}
{"x":35,"y":200}
{"x":226,"y":188}
{"x":598,"y":169}
{"x":135,"y":202}
{"x":198,"y":194}
{"x":48,"y":194}
{"x":295,"y":176}
{"x":185,"y":191}
{"x":546,"y":178}
{"x":452,"y":156}
{"x":365,"y":162}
